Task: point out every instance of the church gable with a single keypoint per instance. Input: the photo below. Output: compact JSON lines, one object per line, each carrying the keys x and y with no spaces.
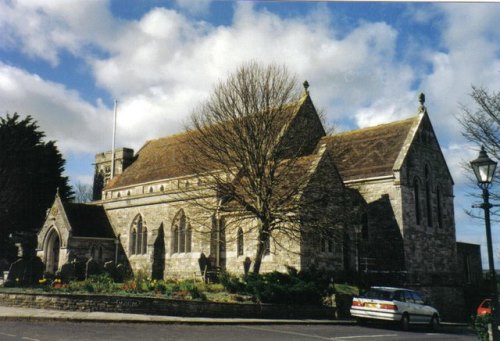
{"x":56,"y":221}
{"x":304,"y":130}
{"x":425,"y":147}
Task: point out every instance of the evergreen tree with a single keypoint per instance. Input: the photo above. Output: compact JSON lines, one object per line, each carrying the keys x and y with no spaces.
{"x":31,"y":171}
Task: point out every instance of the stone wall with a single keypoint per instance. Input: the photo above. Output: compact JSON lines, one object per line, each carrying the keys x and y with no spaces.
{"x":383,"y":249}
{"x":159,"y":306}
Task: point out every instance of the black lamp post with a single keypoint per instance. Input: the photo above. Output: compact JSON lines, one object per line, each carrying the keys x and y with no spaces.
{"x":484,"y":169}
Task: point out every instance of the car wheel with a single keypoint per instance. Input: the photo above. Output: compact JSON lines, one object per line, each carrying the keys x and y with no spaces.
{"x":434,"y":324}
{"x":405,"y":322}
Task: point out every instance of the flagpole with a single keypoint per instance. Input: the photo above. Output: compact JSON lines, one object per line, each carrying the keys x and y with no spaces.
{"x":113,"y":143}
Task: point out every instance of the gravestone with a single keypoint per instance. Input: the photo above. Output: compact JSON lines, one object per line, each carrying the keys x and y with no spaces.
{"x":92,"y":268}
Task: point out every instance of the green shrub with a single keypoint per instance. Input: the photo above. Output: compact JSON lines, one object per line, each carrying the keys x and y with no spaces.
{"x":481,"y":326}
{"x":306,"y":287}
{"x":231,"y":283}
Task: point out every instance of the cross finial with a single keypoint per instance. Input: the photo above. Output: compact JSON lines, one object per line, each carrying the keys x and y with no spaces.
{"x":306,"y":86}
{"x":421,"y":99}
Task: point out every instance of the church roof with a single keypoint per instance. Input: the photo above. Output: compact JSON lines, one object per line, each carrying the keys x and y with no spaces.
{"x":159,"y":159}
{"x":88,"y":221}
{"x":370,"y":152}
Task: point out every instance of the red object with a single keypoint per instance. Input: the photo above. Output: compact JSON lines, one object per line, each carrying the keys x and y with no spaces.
{"x":484,"y":308}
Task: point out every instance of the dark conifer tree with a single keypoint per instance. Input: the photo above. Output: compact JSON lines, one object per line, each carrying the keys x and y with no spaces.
{"x":31,"y":171}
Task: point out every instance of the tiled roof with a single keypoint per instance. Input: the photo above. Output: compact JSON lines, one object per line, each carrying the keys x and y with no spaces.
{"x":88,"y":221}
{"x":369,"y":152}
{"x":159,"y":159}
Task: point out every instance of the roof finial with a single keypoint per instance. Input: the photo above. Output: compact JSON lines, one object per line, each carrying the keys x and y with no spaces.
{"x":421,"y":99}
{"x":306,"y":86}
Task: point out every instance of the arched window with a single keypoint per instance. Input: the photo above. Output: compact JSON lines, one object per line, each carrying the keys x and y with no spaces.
{"x":144,"y":240}
{"x":175,"y":239}
{"x":439,"y":208}
{"x":189,"y":232}
{"x":416,"y":193}
{"x":133,"y":240}
{"x":428,"y":197}
{"x":138,"y":237}
{"x":239,"y":243}
{"x":181,"y":234}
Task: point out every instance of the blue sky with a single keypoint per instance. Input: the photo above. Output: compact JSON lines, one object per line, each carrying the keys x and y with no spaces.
{"x":64,"y":62}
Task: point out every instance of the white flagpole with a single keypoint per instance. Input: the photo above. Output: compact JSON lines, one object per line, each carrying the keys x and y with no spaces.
{"x":113,"y":143}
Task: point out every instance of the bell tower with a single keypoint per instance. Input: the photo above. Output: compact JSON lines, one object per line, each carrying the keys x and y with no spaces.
{"x":102,"y":171}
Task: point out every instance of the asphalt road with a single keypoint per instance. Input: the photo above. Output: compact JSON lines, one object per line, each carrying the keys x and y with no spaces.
{"x":45,"y":331}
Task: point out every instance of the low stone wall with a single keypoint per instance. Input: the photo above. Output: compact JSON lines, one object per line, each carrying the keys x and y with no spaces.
{"x":161,"y":306}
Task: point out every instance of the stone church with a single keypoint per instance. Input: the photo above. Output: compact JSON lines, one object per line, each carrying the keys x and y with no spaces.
{"x":403,"y":212}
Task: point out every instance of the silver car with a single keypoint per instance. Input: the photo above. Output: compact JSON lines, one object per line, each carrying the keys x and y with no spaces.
{"x":394,"y":304}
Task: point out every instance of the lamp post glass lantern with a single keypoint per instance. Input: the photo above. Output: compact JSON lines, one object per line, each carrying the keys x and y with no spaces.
{"x":484,"y":169}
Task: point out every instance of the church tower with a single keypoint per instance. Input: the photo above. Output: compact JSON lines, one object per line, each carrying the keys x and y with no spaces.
{"x":102,"y":171}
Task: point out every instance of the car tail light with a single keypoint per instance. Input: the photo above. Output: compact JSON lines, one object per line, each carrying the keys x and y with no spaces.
{"x":389,"y":306}
{"x":356,"y":303}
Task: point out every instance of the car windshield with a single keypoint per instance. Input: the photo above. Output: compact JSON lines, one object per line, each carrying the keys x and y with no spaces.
{"x":379,"y":294}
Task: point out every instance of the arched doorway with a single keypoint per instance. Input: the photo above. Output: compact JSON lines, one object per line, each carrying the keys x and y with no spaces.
{"x":52,"y":246}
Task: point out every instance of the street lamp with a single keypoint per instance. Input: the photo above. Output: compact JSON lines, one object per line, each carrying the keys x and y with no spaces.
{"x":484,"y":169}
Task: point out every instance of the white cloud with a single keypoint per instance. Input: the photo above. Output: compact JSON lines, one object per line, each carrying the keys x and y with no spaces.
{"x":42,"y":29}
{"x":76,"y":125}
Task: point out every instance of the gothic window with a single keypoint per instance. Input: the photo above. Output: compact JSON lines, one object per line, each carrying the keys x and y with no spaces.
{"x":189,"y":231}
{"x":138,"y":237}
{"x":175,"y":239}
{"x":181,"y":234}
{"x":133,"y":240}
{"x":144,"y":240}
{"x":182,"y":237}
{"x":428,"y":198}
{"x":239,"y":243}
{"x":93,"y":252}
{"x":416,"y":192}
{"x":439,"y":208}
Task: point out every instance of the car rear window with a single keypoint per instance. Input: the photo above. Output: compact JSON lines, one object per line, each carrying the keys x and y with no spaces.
{"x":379,"y":294}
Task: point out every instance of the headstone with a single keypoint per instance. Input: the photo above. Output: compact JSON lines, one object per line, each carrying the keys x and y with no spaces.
{"x":92,"y":268}
{"x":25,"y":272}
{"x":68,"y":272}
{"x":246,"y":265}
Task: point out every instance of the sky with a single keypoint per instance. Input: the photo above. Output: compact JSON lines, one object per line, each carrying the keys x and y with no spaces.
{"x":64,"y":63}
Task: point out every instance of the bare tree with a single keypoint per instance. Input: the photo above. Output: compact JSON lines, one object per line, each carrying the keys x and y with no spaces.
{"x":83,"y":192}
{"x":242,"y":143}
{"x":481,"y":125}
